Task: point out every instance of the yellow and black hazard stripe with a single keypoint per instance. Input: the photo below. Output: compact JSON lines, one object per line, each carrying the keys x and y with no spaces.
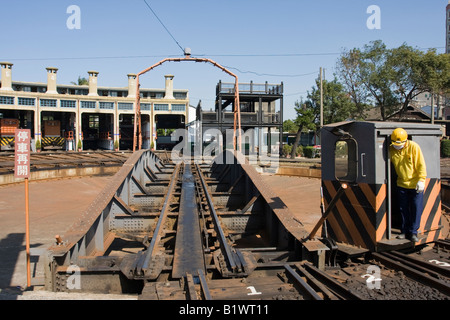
{"x":430,"y":223}
{"x":6,"y":141}
{"x":53,"y":141}
{"x":360,"y":215}
{"x":354,"y":219}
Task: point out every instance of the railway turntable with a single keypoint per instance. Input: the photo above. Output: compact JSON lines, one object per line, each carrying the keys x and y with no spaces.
{"x":194,"y":230}
{"x":183,"y":230}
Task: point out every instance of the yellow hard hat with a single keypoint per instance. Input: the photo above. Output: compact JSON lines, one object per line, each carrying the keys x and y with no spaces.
{"x":399,"y":136}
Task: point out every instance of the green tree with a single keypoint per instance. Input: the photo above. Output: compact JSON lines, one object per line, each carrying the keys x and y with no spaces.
{"x":348,"y":69}
{"x":416,"y":72}
{"x":81,"y":81}
{"x":337,"y":106}
{"x":377,"y":77}
{"x":437,"y":71}
{"x":391,"y":78}
{"x":290,"y":126}
{"x":306,"y":119}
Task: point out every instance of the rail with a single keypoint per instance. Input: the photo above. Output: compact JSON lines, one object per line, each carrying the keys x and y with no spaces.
{"x":416,"y":272}
{"x":154,"y":248}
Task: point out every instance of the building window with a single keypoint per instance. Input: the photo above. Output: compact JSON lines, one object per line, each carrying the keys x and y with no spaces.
{"x":345,"y":158}
{"x":26,"y":101}
{"x":179,"y":95}
{"x":94,"y":122}
{"x":88,"y":104}
{"x":125,"y":106}
{"x":48,"y":102}
{"x":161,"y":107}
{"x":68,"y":103}
{"x":178,"y":107}
{"x":106,"y":105}
{"x":6,"y":100}
{"x":146,"y":106}
{"x":81,"y":92}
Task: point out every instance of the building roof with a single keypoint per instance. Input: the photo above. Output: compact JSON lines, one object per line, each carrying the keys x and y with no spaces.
{"x":75,"y":86}
{"x":412,"y":114}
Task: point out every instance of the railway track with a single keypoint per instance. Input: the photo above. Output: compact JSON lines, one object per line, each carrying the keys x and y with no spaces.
{"x":191,"y":231}
{"x":398,"y":275}
{"x":54,"y":160}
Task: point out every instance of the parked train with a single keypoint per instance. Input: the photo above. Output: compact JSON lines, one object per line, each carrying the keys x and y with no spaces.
{"x":7,"y":132}
{"x":52,"y":139}
{"x":51,"y":135}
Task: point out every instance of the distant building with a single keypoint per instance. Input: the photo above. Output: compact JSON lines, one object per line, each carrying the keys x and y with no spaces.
{"x":412,"y":114}
{"x":424,"y":101}
{"x":261,"y":109}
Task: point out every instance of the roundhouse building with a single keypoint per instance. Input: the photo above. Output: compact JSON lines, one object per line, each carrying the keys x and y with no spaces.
{"x":91,"y":116}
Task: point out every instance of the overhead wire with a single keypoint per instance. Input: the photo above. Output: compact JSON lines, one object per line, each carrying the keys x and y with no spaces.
{"x":154,"y":13}
{"x":271,"y":74}
{"x":270,"y":54}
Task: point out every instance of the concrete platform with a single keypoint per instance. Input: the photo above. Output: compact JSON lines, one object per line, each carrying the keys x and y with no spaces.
{"x":54,"y":207}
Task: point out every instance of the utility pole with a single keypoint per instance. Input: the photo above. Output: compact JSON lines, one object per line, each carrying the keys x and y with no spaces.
{"x":321,"y":99}
{"x":432,"y":108}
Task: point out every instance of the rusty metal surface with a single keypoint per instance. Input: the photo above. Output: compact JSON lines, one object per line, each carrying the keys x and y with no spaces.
{"x":188,"y":255}
{"x":87,"y":220}
{"x":156,"y":249}
{"x":293,"y":225}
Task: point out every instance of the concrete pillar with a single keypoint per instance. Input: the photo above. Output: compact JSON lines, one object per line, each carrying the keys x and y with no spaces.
{"x":78,"y":132}
{"x":37,"y":122}
{"x":153,"y":130}
{"x":93,"y":83}
{"x":169,"y":87}
{"x":132,"y":85}
{"x":116,"y":126}
{"x":51,"y":80}
{"x":6,"y":76}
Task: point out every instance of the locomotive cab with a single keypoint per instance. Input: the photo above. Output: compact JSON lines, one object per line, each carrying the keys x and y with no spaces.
{"x":366,"y":214}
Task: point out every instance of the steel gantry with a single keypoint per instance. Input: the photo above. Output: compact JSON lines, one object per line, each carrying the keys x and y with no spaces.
{"x":237,"y":114}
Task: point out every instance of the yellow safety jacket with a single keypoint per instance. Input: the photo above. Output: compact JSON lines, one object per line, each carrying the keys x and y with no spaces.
{"x":409,"y":165}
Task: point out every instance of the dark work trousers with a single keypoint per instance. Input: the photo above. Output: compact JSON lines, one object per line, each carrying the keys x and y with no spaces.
{"x":411,"y":207}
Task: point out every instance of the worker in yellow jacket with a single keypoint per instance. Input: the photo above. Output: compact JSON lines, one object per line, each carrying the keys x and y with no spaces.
{"x":409,"y":164}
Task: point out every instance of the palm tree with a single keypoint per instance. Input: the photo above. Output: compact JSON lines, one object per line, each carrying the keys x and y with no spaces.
{"x":81,"y":81}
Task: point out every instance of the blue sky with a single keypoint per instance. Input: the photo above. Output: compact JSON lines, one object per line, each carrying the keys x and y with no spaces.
{"x":276,"y":41}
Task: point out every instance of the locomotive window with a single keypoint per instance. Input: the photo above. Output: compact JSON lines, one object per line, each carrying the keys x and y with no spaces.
{"x":345,"y":165}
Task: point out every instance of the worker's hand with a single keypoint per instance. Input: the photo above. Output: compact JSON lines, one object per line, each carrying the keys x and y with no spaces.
{"x":420,"y":186}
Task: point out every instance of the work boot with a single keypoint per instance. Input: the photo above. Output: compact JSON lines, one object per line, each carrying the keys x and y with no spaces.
{"x":414,"y":238}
